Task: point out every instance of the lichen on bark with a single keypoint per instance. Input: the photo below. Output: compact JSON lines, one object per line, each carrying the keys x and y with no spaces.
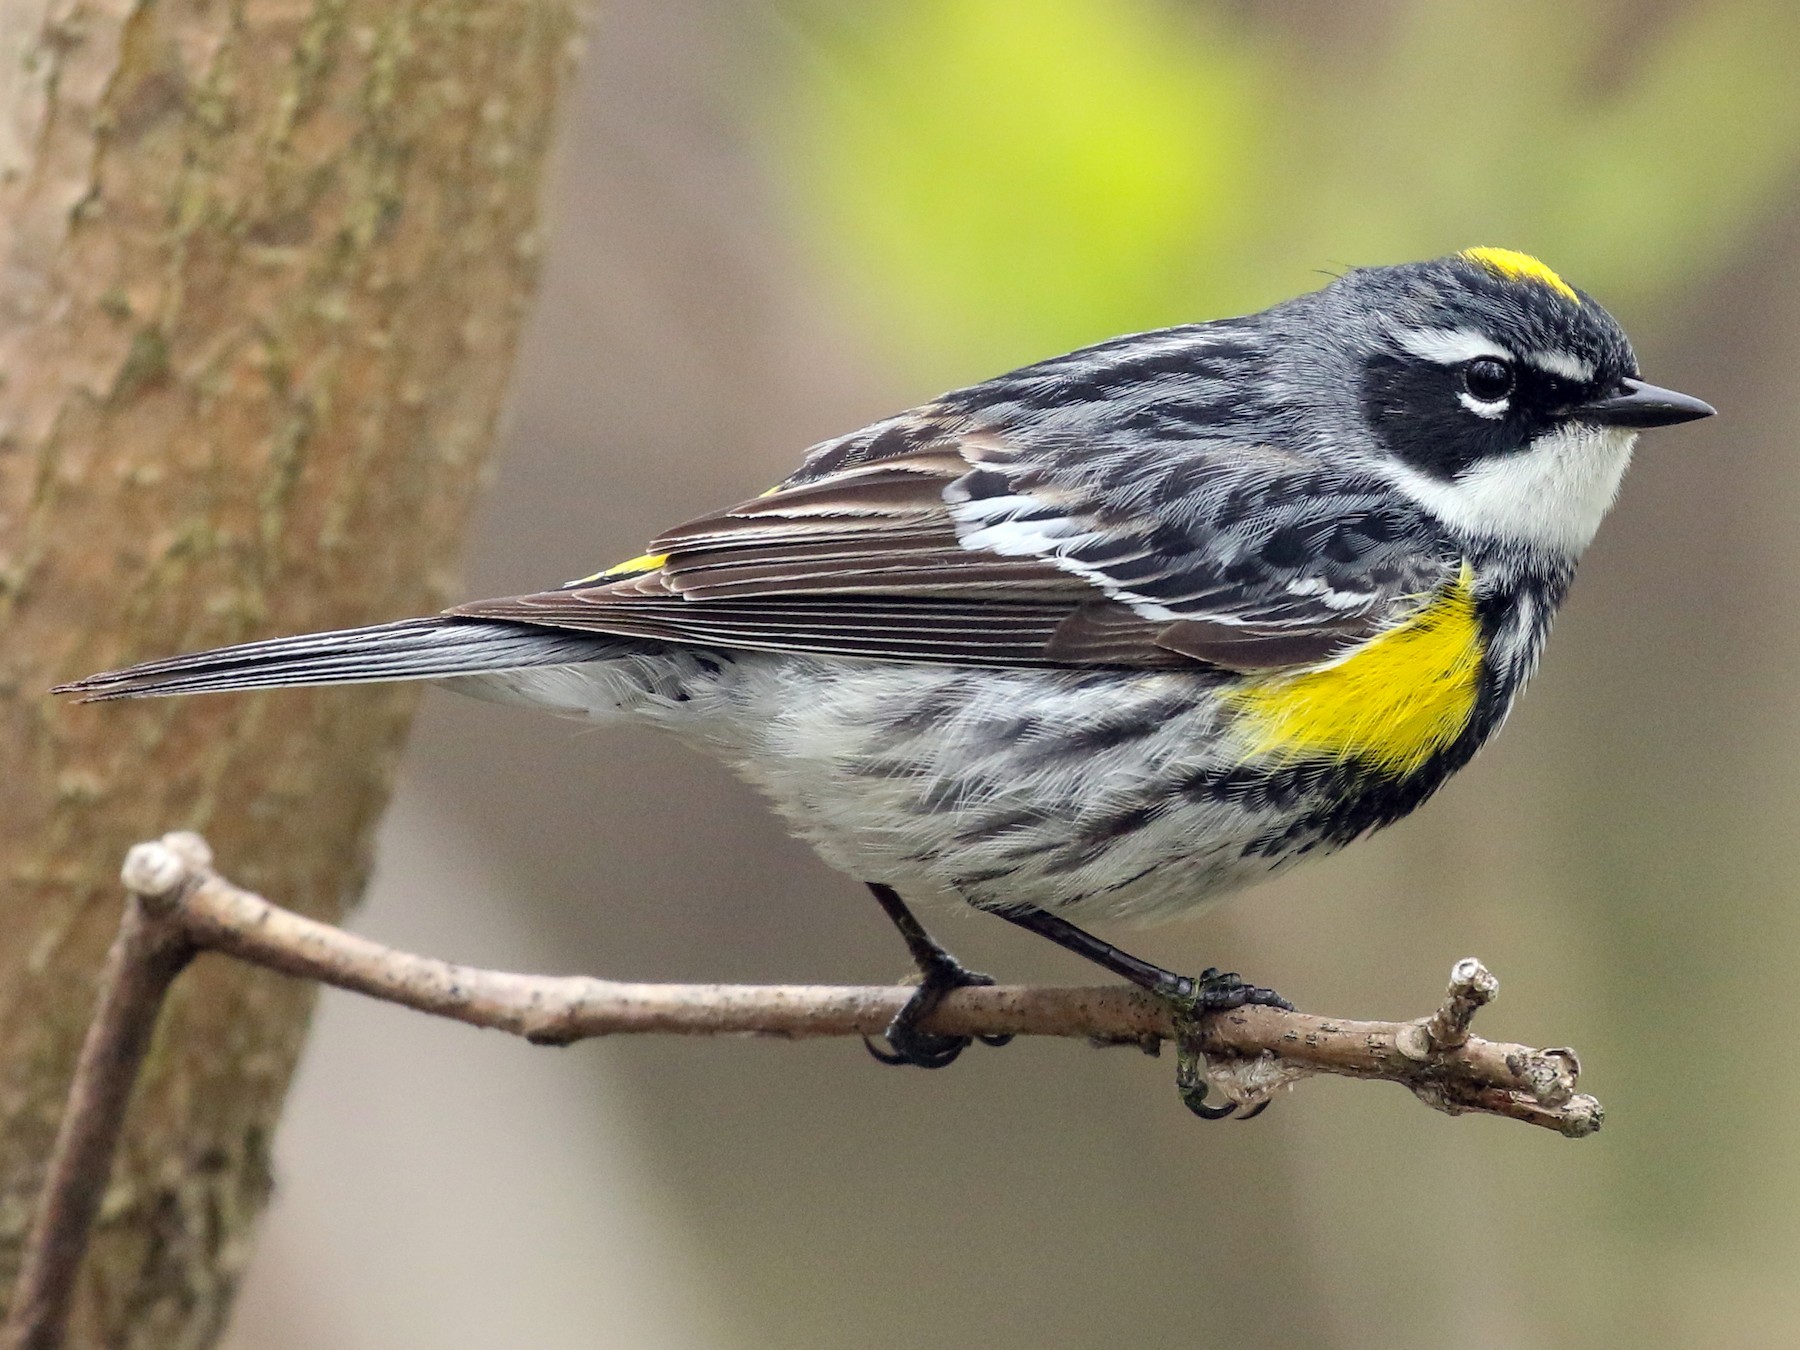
{"x":262,"y":270}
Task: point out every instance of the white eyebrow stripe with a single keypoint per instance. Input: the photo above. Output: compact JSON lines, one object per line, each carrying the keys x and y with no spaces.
{"x":1450,"y":346}
{"x":1561,"y":363}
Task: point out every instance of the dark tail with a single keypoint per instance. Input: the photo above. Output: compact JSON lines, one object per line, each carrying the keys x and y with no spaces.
{"x":412,"y":649}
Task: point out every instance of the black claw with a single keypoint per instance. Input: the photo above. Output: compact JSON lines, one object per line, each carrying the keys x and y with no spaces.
{"x":939,"y":973}
{"x":1215,"y":990}
{"x":922,"y":1052}
{"x":882,"y":1055}
{"x":1225,"y":1110}
{"x":1197,"y":1104}
{"x":906,"y":1044}
{"x":1212,"y":990}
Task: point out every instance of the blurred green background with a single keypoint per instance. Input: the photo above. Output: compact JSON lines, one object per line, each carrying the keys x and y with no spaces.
{"x":776,"y":221}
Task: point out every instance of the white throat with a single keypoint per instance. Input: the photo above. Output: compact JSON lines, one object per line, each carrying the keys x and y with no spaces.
{"x":1552,"y":495}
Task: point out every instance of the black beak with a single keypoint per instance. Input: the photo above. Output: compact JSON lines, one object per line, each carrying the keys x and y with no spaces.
{"x":1643,"y":405}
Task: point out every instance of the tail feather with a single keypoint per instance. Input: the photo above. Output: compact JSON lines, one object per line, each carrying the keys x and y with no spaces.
{"x":411,"y":649}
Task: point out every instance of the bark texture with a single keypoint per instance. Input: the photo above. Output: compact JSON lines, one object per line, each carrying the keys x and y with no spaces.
{"x":262,"y":269}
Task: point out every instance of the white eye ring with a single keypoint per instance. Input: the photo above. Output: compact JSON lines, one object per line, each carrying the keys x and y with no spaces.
{"x":1493,"y":411}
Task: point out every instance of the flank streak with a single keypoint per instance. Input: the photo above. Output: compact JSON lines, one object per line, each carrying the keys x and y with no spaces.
{"x":1395,"y":703}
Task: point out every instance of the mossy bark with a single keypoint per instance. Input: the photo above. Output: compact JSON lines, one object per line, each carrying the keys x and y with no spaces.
{"x":262,"y":269}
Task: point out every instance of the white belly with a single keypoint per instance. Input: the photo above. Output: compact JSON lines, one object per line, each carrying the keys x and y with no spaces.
{"x":1061,"y":789}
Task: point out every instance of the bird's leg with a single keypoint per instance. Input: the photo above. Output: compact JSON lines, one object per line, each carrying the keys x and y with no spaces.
{"x":1212,"y":990}
{"x":939,"y":973}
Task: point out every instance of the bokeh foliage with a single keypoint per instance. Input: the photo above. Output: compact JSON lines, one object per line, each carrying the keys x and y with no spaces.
{"x":995,"y":180}
{"x":991,"y":181}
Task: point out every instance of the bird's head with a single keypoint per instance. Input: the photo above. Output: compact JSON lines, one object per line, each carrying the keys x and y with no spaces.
{"x":1499,"y":396}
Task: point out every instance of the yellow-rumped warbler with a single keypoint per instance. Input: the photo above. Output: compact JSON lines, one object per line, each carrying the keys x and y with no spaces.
{"x":1109,"y":635}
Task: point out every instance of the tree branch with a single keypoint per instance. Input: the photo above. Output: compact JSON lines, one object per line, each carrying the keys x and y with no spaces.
{"x":145,"y":958}
{"x":177,"y":905}
{"x":266,"y":264}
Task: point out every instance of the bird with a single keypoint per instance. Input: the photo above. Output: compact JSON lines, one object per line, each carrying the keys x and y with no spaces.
{"x":1109,"y":636}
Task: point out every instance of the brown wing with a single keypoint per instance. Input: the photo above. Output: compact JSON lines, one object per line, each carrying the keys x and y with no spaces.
{"x":873,"y":560}
{"x":865,"y":562}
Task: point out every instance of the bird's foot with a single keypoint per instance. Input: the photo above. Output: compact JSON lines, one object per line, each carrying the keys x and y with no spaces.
{"x":1213,"y":990}
{"x":906,"y":1043}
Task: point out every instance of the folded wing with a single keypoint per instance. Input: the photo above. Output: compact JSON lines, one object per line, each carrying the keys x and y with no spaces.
{"x":959,"y":543}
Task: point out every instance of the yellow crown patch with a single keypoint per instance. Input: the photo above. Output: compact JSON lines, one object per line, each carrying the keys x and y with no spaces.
{"x":1516,"y":266}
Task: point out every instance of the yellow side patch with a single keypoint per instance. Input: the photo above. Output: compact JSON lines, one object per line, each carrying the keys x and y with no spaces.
{"x":1516,"y":266}
{"x":631,"y":567}
{"x":643,"y":562}
{"x":1393,"y":704}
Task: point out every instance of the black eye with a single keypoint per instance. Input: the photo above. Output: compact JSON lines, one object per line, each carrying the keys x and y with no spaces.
{"x":1488,"y":379}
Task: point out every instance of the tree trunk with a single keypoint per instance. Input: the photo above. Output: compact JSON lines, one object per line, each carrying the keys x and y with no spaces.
{"x":262,"y":269}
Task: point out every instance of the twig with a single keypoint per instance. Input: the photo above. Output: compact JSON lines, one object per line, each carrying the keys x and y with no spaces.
{"x":178,"y":904}
{"x":149,"y":952}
